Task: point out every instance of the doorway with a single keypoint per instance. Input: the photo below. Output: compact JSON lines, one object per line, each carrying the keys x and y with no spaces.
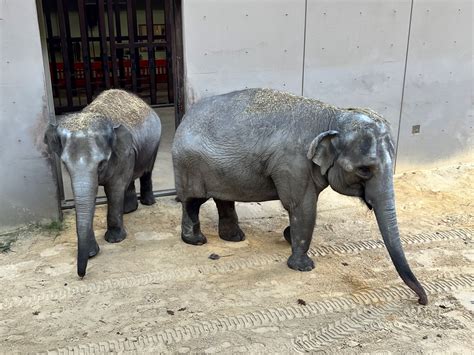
{"x":136,"y":45}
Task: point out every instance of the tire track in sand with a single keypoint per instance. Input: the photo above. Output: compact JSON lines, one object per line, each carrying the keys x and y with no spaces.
{"x":220,"y":268}
{"x":365,"y":320}
{"x":266,"y":317}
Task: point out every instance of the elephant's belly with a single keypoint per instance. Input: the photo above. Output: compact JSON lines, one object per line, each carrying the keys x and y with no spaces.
{"x":223,"y":174}
{"x":244,"y":190}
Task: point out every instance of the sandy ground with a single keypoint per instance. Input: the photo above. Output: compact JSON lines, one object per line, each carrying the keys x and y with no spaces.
{"x":153,"y":293}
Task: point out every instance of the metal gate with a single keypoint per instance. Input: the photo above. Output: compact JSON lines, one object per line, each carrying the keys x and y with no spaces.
{"x":95,"y":45}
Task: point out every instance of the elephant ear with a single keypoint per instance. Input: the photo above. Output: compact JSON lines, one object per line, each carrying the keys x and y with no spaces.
{"x":52,"y":140}
{"x":322,"y":151}
{"x":122,"y":143}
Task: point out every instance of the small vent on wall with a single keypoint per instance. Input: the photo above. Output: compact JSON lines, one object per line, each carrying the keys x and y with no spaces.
{"x":415,"y":129}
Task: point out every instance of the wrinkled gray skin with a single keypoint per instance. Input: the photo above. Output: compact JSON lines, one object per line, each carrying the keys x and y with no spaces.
{"x":112,"y":156}
{"x":291,"y":154}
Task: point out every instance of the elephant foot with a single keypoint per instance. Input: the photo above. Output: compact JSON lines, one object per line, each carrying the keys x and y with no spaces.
{"x":300,"y":262}
{"x":130,"y":204}
{"x":287,"y":235}
{"x":115,"y":235}
{"x":148,"y":199}
{"x":231,"y":232}
{"x":194,"y":238}
{"x":94,"y":250}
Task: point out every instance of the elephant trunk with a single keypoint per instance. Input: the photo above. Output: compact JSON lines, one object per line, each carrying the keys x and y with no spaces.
{"x":85,"y":190}
{"x":380,"y":194}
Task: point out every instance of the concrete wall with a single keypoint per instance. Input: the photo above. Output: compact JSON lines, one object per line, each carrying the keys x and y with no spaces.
{"x":231,"y":44}
{"x":27,"y":189}
{"x":355,"y":54}
{"x":410,"y":60}
{"x":438,"y":93}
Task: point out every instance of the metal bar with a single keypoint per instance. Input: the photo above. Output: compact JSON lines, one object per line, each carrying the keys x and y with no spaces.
{"x":137,"y":45}
{"x":102,"y":200}
{"x":119,"y":38}
{"x":64,"y":51}
{"x":110,"y":14}
{"x":169,"y":24}
{"x":70,"y":52}
{"x":103,"y":45}
{"x":97,"y":38}
{"x":86,"y":58}
{"x":131,"y":42}
{"x":177,"y":55}
{"x":65,"y":109}
{"x":151,"y":51}
{"x":162,"y":105}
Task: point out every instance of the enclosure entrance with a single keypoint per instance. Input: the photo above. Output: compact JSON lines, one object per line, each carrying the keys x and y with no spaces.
{"x":136,"y":45}
{"x":95,"y":45}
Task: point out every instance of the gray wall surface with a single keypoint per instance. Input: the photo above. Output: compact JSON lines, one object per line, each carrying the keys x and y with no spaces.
{"x":230,"y":45}
{"x":27,"y":189}
{"x":439,"y":85}
{"x":355,"y":54}
{"x":410,"y":60}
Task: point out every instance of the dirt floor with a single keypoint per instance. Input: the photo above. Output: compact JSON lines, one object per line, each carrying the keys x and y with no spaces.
{"x":153,"y":293}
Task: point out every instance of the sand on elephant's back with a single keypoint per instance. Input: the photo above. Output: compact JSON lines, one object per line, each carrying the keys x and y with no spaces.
{"x":270,"y":101}
{"x":117,"y":106}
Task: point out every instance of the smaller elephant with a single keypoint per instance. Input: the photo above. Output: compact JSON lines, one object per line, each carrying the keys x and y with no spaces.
{"x":111,"y":142}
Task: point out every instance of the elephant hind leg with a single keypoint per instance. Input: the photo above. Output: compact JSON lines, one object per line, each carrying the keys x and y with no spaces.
{"x":130,"y":203}
{"x":146,"y":189}
{"x":190,"y":224}
{"x":228,"y":221}
{"x":287,"y":234}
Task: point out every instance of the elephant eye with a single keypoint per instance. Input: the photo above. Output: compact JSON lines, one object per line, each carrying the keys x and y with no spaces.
{"x":102,"y":164}
{"x":365,"y":172}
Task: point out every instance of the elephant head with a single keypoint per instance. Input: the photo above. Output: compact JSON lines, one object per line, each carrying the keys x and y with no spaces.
{"x":88,"y":154}
{"x":357,"y":160}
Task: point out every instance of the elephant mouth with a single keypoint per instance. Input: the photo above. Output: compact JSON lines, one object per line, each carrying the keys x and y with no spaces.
{"x":369,"y":206}
{"x":362,"y":197}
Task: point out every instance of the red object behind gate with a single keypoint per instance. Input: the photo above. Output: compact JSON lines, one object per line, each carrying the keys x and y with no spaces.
{"x":97,"y":73}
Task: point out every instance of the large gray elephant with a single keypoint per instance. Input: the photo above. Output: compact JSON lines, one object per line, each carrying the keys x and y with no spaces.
{"x":112,"y":142}
{"x":262,"y":144}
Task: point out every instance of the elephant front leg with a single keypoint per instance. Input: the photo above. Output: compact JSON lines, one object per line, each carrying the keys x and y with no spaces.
{"x":190,"y":224}
{"x":300,"y":233}
{"x":228,"y":221}
{"x":115,"y":197}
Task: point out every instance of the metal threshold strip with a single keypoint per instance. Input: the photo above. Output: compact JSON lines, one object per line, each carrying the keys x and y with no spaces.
{"x":162,"y":105}
{"x":102,"y":200}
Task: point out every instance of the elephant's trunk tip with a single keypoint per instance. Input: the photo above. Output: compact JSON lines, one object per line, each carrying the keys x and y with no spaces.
{"x":414,"y":284}
{"x":423,"y":298}
{"x":81,"y":266}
